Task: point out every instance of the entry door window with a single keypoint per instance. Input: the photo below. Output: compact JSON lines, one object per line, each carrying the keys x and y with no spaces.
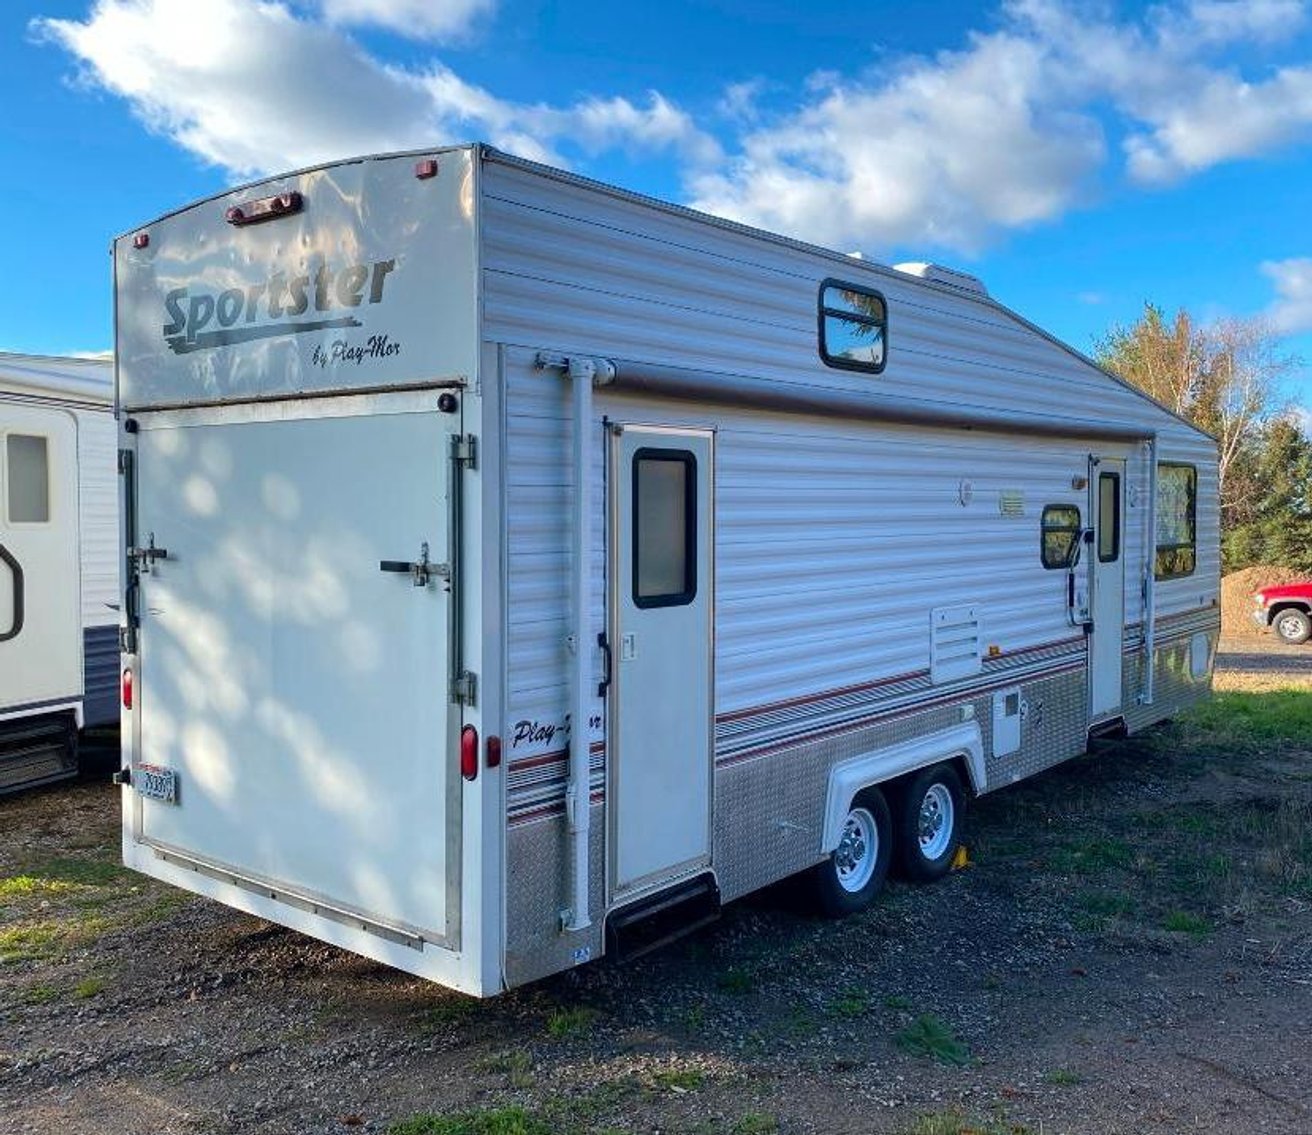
{"x":1109,"y":517}
{"x":27,"y":468}
{"x":664,"y":527}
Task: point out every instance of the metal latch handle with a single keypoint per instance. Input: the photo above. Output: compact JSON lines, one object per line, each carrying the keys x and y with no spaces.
{"x":421,"y":569}
{"x":145,"y":557}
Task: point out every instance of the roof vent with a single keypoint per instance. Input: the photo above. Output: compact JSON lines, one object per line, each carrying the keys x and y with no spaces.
{"x":941,"y":275}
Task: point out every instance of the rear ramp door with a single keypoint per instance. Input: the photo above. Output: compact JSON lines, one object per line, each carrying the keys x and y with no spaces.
{"x":296,"y":689}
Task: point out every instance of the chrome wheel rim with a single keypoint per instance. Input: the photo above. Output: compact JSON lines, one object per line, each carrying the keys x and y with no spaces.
{"x":936,"y":821}
{"x":1289,"y":627}
{"x":857,"y":851}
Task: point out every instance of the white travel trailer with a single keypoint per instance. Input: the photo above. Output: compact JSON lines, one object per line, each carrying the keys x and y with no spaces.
{"x":59,"y":579}
{"x":522,"y":568}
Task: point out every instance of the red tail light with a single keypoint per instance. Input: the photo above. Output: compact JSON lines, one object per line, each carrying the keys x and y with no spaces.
{"x":127,"y":689}
{"x":469,"y":752}
{"x":493,"y":752}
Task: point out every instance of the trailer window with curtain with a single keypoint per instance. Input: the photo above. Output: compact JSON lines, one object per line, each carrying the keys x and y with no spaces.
{"x":1177,"y":528}
{"x":853,"y":326}
{"x":1059,"y":528}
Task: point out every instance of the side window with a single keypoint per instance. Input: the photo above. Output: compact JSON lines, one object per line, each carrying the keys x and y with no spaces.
{"x":853,"y":327}
{"x":27,"y":469}
{"x":1059,"y":530}
{"x":1177,"y":528}
{"x":1109,"y":517}
{"x":664,"y":527}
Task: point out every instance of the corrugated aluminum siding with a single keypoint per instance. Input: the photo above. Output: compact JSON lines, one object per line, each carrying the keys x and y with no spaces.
{"x":834,"y":538}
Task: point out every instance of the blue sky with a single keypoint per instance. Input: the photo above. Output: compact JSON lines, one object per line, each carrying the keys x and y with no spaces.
{"x":1080,"y":158}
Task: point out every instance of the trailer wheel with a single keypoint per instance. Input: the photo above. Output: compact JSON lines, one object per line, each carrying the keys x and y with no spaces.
{"x":854,"y":873}
{"x":929,"y":822}
{"x":1293,"y":626}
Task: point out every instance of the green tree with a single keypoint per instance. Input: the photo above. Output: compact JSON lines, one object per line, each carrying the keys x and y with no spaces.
{"x":1278,"y":529}
{"x":1225,"y":377}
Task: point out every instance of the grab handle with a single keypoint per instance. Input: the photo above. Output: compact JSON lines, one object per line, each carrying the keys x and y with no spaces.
{"x":16,"y":570}
{"x":604,"y":684}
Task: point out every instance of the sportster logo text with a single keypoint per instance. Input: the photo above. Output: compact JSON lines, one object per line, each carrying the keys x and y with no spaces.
{"x":240,"y":315}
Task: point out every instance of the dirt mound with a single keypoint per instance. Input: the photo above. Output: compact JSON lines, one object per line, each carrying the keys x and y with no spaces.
{"x":1237,"y":595}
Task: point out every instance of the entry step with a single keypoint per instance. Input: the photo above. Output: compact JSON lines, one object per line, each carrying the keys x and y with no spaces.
{"x":658,"y":919}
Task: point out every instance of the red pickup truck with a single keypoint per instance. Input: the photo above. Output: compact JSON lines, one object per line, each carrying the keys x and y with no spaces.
{"x":1285,"y":609}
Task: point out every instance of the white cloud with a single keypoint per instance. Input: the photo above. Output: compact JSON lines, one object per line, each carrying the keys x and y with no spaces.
{"x":415,"y":19}
{"x":1015,"y":128}
{"x":942,"y":153}
{"x":1011,"y":130}
{"x":251,"y":86}
{"x":1291,"y":313}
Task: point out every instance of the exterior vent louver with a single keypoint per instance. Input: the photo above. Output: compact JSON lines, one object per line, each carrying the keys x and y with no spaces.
{"x":954,"y":643}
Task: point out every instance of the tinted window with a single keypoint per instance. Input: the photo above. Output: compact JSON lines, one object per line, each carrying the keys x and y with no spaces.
{"x":664,"y":527}
{"x":1109,"y":517}
{"x":853,"y":326}
{"x":28,"y":474}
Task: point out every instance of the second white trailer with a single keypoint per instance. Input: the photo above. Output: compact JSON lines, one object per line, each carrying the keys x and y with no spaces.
{"x":59,"y":579}
{"x":521,"y":569}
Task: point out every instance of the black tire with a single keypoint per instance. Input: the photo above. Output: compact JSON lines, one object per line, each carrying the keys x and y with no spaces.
{"x":1292,"y":626}
{"x":928,"y":829}
{"x":832,"y":881}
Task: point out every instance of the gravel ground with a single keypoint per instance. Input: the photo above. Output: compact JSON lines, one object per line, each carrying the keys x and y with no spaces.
{"x":1130,"y":951}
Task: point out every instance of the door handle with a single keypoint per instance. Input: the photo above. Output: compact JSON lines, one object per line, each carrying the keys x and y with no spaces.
{"x":16,"y":570}
{"x":604,"y":684}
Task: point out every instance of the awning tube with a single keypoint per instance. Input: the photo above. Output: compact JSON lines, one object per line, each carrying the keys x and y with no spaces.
{"x":582,"y":373}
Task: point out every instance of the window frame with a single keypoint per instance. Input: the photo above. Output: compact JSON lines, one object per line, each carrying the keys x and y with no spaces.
{"x":688,"y":459}
{"x":823,"y":311}
{"x":1192,"y":515}
{"x":1116,"y":530}
{"x":1045,"y":528}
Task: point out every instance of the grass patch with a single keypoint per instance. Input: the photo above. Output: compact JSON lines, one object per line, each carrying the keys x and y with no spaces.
{"x":849,"y":1004}
{"x":80,"y":872}
{"x":930,"y":1036}
{"x":29,"y":941}
{"x":495,"y":1121}
{"x":89,"y":987}
{"x":1062,"y":1078}
{"x":680,"y":1079}
{"x":515,"y":1064}
{"x":755,"y":1123}
{"x":25,"y":887}
{"x":1186,"y":922}
{"x":736,"y":980}
{"x":957,"y":1123}
{"x":897,"y":1003}
{"x":1092,"y":856}
{"x":1240,"y":719}
{"x":446,"y":1014}
{"x":564,"y":1024}
{"x":41,"y":995}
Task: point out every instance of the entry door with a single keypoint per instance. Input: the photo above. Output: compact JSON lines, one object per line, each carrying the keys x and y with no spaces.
{"x":40,"y":597}
{"x":1107,"y":571}
{"x":662,"y":580}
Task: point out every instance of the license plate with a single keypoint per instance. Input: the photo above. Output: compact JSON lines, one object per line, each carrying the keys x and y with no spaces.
{"x":156,"y":783}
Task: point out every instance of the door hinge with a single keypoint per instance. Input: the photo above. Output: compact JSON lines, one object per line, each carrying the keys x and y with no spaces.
{"x":464,"y":688}
{"x":464,"y":450}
